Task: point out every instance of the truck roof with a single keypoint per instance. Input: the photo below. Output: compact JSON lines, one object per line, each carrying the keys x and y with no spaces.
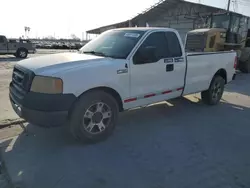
{"x":144,"y":28}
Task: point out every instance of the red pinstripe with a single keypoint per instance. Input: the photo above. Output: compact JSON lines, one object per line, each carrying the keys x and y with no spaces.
{"x":150,"y":95}
{"x":153,"y":94}
{"x":166,"y":92}
{"x":130,"y":100}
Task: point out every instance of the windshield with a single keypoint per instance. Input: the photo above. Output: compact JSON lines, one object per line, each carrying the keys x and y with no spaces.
{"x":223,"y":21}
{"x":114,"y":43}
{"x":220,"y":21}
{"x":235,"y":24}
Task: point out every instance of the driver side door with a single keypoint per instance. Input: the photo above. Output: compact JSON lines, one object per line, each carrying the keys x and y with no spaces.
{"x":153,"y":72}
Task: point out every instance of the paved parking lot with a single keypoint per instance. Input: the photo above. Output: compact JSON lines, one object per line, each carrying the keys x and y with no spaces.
{"x":179,"y":144}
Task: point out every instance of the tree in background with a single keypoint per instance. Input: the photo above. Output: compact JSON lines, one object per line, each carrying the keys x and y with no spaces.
{"x":74,"y":37}
{"x":27,"y":31}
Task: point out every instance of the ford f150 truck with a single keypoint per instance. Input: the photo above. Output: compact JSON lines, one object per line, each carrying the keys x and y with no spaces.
{"x":119,"y":70}
{"x":19,"y":48}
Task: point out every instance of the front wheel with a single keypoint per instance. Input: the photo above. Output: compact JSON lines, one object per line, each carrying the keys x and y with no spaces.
{"x":213,"y":95}
{"x":94,"y":117}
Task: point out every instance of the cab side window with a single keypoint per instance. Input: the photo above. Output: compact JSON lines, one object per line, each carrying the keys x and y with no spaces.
{"x":173,"y":45}
{"x":154,"y":48}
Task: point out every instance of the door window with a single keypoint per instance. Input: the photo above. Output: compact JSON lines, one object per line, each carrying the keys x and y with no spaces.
{"x":158,"y":45}
{"x":154,"y":48}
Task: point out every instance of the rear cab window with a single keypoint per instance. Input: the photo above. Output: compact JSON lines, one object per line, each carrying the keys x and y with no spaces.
{"x":174,"y":47}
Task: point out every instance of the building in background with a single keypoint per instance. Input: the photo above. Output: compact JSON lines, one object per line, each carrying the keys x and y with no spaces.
{"x":178,"y":14}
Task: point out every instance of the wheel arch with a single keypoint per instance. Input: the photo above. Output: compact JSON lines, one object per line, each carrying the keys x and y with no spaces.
{"x":108,"y":90}
{"x":222,"y":73}
{"x":22,"y":48}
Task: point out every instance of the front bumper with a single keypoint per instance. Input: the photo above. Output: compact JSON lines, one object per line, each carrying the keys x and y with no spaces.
{"x":46,"y":110}
{"x":40,"y":118}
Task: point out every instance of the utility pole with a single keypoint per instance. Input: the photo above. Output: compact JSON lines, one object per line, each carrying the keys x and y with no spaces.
{"x":228,"y":5}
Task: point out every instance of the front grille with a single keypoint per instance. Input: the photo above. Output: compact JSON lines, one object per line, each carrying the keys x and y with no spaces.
{"x":196,"y":42}
{"x":21,"y":81}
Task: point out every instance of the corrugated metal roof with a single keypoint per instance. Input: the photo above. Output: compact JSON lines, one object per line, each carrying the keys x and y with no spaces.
{"x":156,"y":9}
{"x":112,"y":26}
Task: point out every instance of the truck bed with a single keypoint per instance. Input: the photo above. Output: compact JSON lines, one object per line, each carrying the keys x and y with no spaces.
{"x":202,"y":66}
{"x":207,"y":53}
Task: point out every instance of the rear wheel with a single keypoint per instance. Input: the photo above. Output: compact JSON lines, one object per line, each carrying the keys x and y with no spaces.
{"x":94,"y":117}
{"x":244,"y":66}
{"x":22,"y":53}
{"x":213,"y":95}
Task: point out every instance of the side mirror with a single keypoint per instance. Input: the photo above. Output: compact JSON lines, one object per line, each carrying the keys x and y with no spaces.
{"x":145,"y":55}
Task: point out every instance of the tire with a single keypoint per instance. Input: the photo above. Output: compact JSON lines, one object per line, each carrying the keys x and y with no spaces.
{"x":85,"y":112}
{"x":244,"y":67}
{"x":213,"y":95}
{"x":22,"y":53}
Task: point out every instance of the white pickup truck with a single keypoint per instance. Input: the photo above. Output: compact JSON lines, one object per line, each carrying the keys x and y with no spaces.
{"x":119,"y":70}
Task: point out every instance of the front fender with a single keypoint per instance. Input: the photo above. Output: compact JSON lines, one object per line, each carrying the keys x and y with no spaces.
{"x":90,"y":77}
{"x":118,"y":89}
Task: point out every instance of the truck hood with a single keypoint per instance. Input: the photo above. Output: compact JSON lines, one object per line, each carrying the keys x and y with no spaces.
{"x":54,"y":63}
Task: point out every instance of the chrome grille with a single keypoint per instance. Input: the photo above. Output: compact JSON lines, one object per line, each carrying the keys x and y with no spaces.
{"x":18,"y":77}
{"x":21,"y":81}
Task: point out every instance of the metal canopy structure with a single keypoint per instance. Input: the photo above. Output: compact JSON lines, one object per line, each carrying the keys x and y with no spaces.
{"x":157,"y":9}
{"x":179,"y":14}
{"x":150,"y":12}
{"x":105,"y":28}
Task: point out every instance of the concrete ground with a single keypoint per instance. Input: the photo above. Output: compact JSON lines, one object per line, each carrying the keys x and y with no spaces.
{"x":6,"y":113}
{"x":182,"y":144}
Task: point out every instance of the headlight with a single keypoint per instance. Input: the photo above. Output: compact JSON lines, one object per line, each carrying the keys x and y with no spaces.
{"x":50,"y":85}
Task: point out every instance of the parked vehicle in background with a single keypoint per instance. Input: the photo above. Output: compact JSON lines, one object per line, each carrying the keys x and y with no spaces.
{"x":119,"y":70}
{"x":18,"y":47}
{"x":59,"y":45}
{"x":225,"y":31}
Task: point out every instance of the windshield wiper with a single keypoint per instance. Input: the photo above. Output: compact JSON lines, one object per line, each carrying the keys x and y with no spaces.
{"x":95,"y":53}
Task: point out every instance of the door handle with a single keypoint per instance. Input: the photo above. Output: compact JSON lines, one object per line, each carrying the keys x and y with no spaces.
{"x":169,"y":67}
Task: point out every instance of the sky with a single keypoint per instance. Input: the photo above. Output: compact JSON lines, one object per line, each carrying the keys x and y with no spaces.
{"x":62,"y":18}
